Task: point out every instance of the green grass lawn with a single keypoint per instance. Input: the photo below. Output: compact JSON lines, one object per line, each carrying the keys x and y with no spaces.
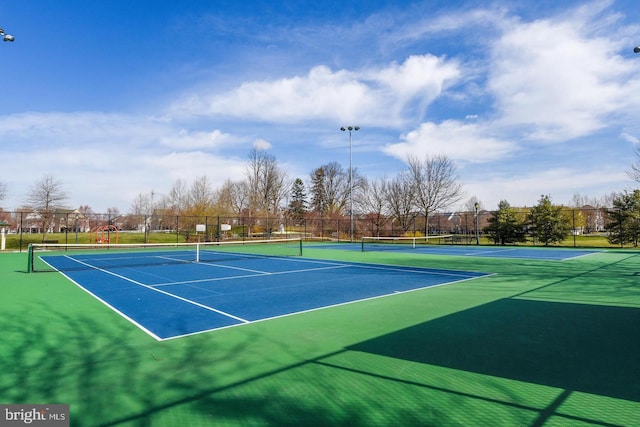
{"x":538,"y":343}
{"x":14,"y":240}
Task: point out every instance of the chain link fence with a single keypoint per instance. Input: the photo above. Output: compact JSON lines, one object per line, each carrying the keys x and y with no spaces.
{"x":588,"y":227}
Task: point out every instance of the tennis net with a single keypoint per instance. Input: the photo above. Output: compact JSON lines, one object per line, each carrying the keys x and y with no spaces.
{"x":402,"y":243}
{"x":64,"y":257}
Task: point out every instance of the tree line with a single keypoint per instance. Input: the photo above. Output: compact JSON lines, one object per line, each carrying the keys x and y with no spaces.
{"x":548,"y":224}
{"x":426,"y":185}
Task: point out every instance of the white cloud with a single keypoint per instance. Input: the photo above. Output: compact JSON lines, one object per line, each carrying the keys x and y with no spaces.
{"x":105,"y":131}
{"x":190,"y":165}
{"x":446,"y":23}
{"x":560,"y":183}
{"x":261,"y":144}
{"x":105,"y":160}
{"x":184,"y":139}
{"x":630,"y":138}
{"x":559,"y":80}
{"x":459,"y":141}
{"x":376,"y":96}
{"x":76,"y":128}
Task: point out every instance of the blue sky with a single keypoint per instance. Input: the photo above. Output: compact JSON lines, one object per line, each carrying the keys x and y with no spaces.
{"x":117,"y":98}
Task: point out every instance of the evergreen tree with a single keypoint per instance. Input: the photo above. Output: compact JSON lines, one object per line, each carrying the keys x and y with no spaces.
{"x":548,"y":224}
{"x":318,"y":196}
{"x":624,"y":219}
{"x":504,"y":226}
{"x":298,"y":204}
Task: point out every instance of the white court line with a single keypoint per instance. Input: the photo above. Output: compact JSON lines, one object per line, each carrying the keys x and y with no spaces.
{"x":160,"y":291}
{"x":183,"y":261}
{"x":418,"y":270}
{"x":230,"y":267}
{"x":211,"y":264}
{"x":490,"y":252}
{"x":580,"y":256}
{"x":330,"y":265}
{"x":328,"y":306}
{"x":217,"y":279}
{"x":451,"y":273}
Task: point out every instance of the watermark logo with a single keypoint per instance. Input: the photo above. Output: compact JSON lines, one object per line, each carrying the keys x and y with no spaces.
{"x":34,"y":415}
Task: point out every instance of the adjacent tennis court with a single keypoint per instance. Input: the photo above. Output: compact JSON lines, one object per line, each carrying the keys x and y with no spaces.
{"x":176,"y":290}
{"x":439,"y":245}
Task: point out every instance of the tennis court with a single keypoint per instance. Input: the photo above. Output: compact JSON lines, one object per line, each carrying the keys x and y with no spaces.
{"x":417,"y":245}
{"x":168,"y":294}
{"x":540,"y":342}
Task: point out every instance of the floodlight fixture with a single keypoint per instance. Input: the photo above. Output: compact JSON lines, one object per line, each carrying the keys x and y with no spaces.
{"x":6,"y":37}
{"x":636,"y":49}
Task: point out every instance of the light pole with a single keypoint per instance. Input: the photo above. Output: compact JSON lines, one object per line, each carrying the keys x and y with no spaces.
{"x":350,"y":128}
{"x":6,"y":37}
{"x":476,"y":205}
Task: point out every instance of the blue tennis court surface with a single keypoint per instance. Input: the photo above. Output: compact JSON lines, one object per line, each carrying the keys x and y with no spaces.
{"x":535,"y":253}
{"x":182,"y":298}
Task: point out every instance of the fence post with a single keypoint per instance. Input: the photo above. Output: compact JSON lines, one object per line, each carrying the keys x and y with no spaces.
{"x":621,"y":229}
{"x":575,"y":229}
{"x":66,"y":228}
{"x":21,"y":229}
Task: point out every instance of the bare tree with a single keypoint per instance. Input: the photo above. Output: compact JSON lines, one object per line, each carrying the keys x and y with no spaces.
{"x":46,"y":196}
{"x":331,"y":189}
{"x":373,"y":203}
{"x":579,"y":200}
{"x":3,"y":190}
{"x":435,"y":182}
{"x":336,"y":188}
{"x":224,"y":198}
{"x":240,"y":196}
{"x":266,"y":182}
{"x":178,"y":198}
{"x":201,"y":197}
{"x":113,"y":212}
{"x":608,"y":199}
{"x":634,"y":171}
{"x":401,"y":198}
{"x":471,"y":203}
{"x":470,"y":218}
{"x":232,"y":197}
{"x":143,"y":204}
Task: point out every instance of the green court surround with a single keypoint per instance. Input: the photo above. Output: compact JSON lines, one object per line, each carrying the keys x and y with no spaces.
{"x":539,"y":343}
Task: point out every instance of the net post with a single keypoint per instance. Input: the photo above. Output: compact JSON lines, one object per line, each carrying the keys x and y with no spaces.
{"x":300,"y":252}
{"x":30,"y":258}
{"x":362,"y":244}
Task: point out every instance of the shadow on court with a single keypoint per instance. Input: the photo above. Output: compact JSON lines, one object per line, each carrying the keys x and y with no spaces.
{"x":112,"y":378}
{"x":577,"y":347}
